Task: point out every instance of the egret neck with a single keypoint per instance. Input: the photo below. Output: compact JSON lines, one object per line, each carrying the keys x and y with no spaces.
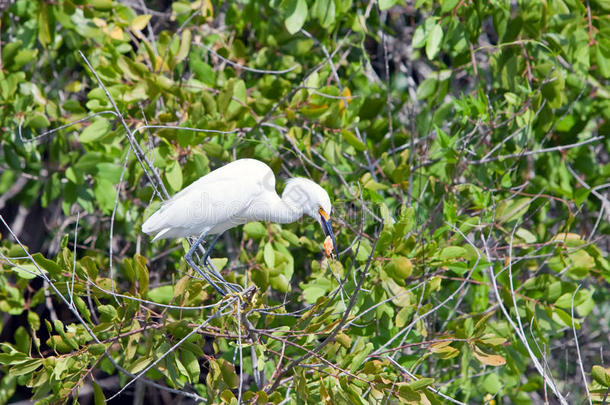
{"x":287,"y":209}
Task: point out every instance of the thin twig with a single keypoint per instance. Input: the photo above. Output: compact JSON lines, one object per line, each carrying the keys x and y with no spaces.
{"x":536,"y":152}
{"x":580,"y":365}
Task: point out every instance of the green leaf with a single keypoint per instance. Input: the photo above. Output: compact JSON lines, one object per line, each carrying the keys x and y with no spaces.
{"x":344,"y":339}
{"x":9,"y":51}
{"x":139,"y":365}
{"x":97,"y":130}
{"x":406,"y":222}
{"x":280,"y":283}
{"x":364,"y":250}
{"x":301,"y":385}
{"x":290,"y":237}
{"x":315,"y":289}
{"x":269,"y":255}
{"x":448,"y":5}
{"x":33,"y":320}
{"x":602,"y":55}
{"x":27,"y":271}
{"x":162,"y":294}
{"x":492,"y":383}
{"x":506,"y":181}
{"x":407,"y":393}
{"x":220,"y":262}
{"x":108,"y":313}
{"x":399,"y":268}
{"x":97,"y":349}
{"x":25,"y":367}
{"x":228,"y":397}
{"x":433,"y":41}
{"x":105,"y":195}
{"x":513,"y":209}
{"x":173,"y":175}
{"x":24,"y":57}
{"x":225,"y":96}
{"x":452,"y":252}
{"x":569,"y":239}
{"x":239,"y":93}
{"x":297,"y":14}
{"x":38,"y":121}
{"x":351,"y":139}
{"x":427,"y":88}
{"x":255,"y":230}
{"x":492,"y":340}
{"x":228,"y":373}
{"x":205,"y":73}
{"x":260,"y":277}
{"x":191,"y":363}
{"x":324,"y":10}
{"x":421,"y":383}
{"x":98,"y":394}
{"x":66,"y":338}
{"x":386,"y":4}
{"x":141,"y":272}
{"x":601,"y":375}
{"x":47,"y":265}
{"x":359,"y":358}
{"x":101,"y":5}
{"x":581,"y":259}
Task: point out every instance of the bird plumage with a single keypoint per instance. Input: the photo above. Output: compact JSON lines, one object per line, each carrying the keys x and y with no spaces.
{"x":239,"y":192}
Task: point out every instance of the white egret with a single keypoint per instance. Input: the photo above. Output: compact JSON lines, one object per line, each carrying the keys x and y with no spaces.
{"x":239,"y":192}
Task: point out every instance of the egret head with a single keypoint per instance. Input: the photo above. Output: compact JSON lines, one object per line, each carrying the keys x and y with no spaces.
{"x":311,"y":199}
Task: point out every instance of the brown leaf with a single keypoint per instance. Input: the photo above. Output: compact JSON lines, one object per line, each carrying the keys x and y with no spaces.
{"x":489,"y":359}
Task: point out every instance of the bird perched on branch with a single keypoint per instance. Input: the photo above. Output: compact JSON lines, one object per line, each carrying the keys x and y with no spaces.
{"x":237,"y":193}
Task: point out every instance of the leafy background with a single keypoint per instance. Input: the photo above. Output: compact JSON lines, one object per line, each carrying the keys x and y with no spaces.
{"x":465,"y":147}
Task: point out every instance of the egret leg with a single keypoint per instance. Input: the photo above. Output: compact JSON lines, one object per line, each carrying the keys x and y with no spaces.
{"x":210,"y":266}
{"x":189,"y":260}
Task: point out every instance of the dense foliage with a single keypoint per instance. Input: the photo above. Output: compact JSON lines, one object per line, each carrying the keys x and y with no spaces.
{"x":463,"y":143}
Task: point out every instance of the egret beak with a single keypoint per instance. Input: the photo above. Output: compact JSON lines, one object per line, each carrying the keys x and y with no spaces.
{"x":328,"y":229}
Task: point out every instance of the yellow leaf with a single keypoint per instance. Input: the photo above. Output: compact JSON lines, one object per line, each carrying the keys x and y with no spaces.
{"x":345,"y":340}
{"x":348,"y":98}
{"x":563,"y":236}
{"x":163,"y":64}
{"x":489,"y":359}
{"x":116,"y":33}
{"x":139,"y":23}
{"x":206,"y":7}
{"x":569,"y":239}
{"x":423,"y":400}
{"x":440,"y":346}
{"x":403,"y":316}
{"x":444,"y":350}
{"x":99,"y":22}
